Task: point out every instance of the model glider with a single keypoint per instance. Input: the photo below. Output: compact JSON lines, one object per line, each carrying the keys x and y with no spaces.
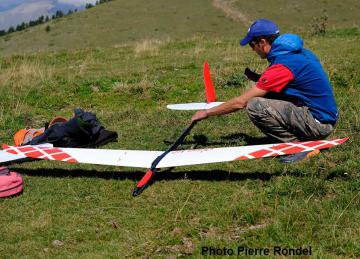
{"x":209,"y":91}
{"x":144,"y":159}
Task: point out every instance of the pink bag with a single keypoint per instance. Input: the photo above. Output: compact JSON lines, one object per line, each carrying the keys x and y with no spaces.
{"x":11,"y":183}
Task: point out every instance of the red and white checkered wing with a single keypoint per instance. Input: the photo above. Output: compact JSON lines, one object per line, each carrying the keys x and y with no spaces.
{"x":128,"y":158}
{"x":143,"y":159}
{"x":6,"y":157}
{"x":215,"y":155}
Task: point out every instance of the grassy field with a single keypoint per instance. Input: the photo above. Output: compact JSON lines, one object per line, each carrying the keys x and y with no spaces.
{"x":87,"y":211}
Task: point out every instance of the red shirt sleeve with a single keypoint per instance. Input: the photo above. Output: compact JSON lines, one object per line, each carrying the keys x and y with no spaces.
{"x":275,"y":78}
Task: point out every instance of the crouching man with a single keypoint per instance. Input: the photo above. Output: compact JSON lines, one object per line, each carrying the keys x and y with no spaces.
{"x":292,"y":100}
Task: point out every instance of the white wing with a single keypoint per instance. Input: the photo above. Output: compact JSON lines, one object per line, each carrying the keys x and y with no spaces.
{"x":143,"y":159}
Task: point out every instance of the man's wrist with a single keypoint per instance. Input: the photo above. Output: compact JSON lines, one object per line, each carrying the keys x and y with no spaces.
{"x":206,"y":114}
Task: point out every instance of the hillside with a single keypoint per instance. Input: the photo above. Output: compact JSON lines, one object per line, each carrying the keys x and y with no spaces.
{"x":123,"y":22}
{"x":87,"y":211}
{"x":299,"y":15}
{"x":120,"y":22}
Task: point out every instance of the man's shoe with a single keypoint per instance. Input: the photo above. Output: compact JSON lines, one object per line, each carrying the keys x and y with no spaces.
{"x":299,"y":156}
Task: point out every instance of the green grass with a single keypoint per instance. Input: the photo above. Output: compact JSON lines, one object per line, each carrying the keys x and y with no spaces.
{"x":87,"y":211}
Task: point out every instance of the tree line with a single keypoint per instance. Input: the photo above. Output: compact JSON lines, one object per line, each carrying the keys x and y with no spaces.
{"x":43,"y":19}
{"x":88,"y":5}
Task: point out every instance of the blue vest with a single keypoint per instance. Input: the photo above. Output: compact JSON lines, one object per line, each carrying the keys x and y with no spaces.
{"x":310,"y":85}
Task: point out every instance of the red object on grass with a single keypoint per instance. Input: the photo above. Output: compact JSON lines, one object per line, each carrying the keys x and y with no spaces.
{"x":145,"y":179}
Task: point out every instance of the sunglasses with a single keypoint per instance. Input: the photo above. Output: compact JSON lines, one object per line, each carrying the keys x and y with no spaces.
{"x":252,"y":43}
{"x":255,"y":41}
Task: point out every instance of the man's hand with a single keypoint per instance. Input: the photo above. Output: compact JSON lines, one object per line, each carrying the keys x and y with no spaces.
{"x":200,"y":115}
{"x":232,"y":105}
{"x":251,"y":75}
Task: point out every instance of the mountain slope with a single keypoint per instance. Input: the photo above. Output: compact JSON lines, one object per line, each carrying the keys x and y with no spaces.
{"x":123,"y":21}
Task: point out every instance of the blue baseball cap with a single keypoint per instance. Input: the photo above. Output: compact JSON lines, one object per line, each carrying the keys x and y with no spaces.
{"x":261,"y":27}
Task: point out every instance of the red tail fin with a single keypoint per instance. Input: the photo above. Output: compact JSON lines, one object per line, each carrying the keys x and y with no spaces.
{"x":209,"y":87}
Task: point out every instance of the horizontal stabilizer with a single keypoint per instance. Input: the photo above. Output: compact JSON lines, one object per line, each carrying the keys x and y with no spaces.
{"x":209,"y":87}
{"x":192,"y":106}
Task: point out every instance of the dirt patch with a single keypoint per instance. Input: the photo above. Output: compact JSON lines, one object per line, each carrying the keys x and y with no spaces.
{"x":228,"y":8}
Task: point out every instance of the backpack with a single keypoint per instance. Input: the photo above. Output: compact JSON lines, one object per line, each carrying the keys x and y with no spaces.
{"x":24,"y":136}
{"x":11,"y":183}
{"x":83,"y":130}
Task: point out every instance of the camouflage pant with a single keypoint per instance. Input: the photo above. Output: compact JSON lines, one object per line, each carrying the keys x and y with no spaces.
{"x":285,"y":122}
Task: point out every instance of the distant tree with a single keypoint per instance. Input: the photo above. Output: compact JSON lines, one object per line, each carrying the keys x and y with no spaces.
{"x":59,"y":14}
{"x":20,"y":27}
{"x":11,"y":29}
{"x":2,"y":32}
{"x":41,"y":19}
{"x":32,"y":23}
{"x":88,"y":6}
{"x":69,"y":12}
{"x":102,"y":1}
{"x":47,"y":28}
{"x":47,"y":18}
